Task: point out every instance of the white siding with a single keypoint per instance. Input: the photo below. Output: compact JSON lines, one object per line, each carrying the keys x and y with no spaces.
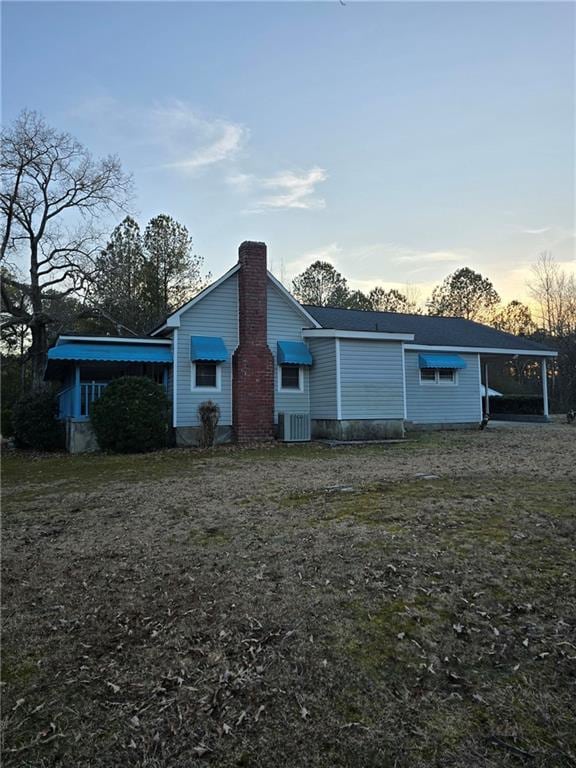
{"x":215,"y":315}
{"x":444,"y":403}
{"x":323,"y":379}
{"x":371,"y":379}
{"x":285,"y":323}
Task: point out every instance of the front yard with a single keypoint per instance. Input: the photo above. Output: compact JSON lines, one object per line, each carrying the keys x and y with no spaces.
{"x":403,"y":605}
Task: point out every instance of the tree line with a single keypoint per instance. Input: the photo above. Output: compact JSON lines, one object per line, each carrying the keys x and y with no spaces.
{"x":468,"y":294}
{"x":61,"y":271}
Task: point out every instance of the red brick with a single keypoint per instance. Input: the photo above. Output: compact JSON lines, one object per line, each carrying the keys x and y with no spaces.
{"x":253,"y":363}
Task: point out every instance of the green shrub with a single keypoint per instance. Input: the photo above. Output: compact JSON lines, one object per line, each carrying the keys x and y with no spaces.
{"x":520,"y":404}
{"x":131,"y":416}
{"x":35,"y":424}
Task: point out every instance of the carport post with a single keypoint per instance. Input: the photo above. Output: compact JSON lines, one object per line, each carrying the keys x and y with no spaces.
{"x":544,"y":385}
{"x":486,"y":393}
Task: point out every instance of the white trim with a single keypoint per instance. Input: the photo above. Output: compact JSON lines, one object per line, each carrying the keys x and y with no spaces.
{"x":173,"y":320}
{"x":544,"y":386}
{"x":217,"y":388}
{"x":113,"y":339}
{"x":334,"y":333}
{"x":404,"y":384}
{"x":483,"y":350}
{"x":486,"y":390}
{"x":481,"y":401}
{"x":338,"y":383}
{"x":286,"y":293}
{"x":291,"y":389}
{"x":174,"y":375}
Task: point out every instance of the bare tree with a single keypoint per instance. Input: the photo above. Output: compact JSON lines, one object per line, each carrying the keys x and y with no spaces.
{"x":554,"y":291}
{"x":51,"y":198}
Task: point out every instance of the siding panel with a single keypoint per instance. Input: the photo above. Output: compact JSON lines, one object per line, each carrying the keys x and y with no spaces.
{"x":323,"y":379}
{"x":285,"y":323}
{"x":371,"y":379}
{"x":215,"y":315}
{"x":444,"y":404}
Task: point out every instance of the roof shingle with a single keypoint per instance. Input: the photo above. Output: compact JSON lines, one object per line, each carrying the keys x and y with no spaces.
{"x":427,"y":330}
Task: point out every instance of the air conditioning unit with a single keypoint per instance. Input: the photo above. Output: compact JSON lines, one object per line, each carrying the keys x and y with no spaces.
{"x":294,"y":427}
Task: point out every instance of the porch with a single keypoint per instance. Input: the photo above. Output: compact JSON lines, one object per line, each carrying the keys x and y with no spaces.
{"x":86,"y":366}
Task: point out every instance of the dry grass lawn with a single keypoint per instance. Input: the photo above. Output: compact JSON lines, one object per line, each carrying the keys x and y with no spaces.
{"x":404,"y":605}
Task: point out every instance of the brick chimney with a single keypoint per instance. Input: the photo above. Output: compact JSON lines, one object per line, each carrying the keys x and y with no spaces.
{"x":252,"y":363}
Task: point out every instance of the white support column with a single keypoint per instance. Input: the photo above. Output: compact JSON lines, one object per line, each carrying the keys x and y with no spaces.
{"x":486,"y":393}
{"x":544,"y":371}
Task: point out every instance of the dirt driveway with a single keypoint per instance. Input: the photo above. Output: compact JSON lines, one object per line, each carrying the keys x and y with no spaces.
{"x":404,"y":605}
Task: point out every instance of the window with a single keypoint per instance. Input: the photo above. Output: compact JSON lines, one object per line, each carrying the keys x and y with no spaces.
{"x":438,"y":376}
{"x":446,"y":375}
{"x":290,"y":378}
{"x":428,"y":374}
{"x":205,"y":376}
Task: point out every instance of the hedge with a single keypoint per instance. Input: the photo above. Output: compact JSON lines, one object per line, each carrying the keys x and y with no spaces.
{"x":131,"y":416}
{"x":35,"y":423}
{"x":522,"y":404}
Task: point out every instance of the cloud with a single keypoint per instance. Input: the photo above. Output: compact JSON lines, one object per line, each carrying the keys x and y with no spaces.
{"x":294,"y":190}
{"x":536,"y":231}
{"x":197,"y":142}
{"x":174,"y":134}
{"x":282,"y":191}
{"x":427,"y":257}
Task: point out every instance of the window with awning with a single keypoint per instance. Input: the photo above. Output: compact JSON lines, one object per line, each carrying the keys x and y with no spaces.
{"x":293,"y":353}
{"x":454,"y":362}
{"x":208,"y":349}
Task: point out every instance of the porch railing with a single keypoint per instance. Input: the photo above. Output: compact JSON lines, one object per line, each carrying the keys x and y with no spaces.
{"x":89,"y":392}
{"x":74,"y":401}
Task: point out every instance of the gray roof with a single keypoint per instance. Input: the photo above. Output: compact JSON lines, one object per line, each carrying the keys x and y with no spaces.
{"x":427,"y":330}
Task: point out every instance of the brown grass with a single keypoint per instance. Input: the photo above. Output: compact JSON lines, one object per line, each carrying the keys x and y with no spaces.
{"x":295,"y":606}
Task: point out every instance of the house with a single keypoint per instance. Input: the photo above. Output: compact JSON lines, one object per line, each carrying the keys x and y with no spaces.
{"x":280,"y":369}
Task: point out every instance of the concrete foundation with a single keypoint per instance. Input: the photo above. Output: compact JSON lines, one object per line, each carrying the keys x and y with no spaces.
{"x":533,"y":418}
{"x":190,"y":436}
{"x":440,"y":426}
{"x":357,"y":429}
{"x":80,"y":437}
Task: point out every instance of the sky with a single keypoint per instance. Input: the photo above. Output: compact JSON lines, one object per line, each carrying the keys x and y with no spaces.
{"x":399,"y":141}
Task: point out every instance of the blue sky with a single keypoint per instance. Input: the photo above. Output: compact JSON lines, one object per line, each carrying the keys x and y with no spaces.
{"x":397,"y":140}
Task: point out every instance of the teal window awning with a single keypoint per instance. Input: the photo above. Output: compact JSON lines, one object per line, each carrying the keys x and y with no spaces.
{"x":112,"y":352}
{"x":293,"y":353}
{"x":441,"y":361}
{"x":210,"y":348}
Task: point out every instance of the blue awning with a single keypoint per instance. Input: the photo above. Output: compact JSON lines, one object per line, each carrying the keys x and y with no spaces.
{"x":441,"y":361}
{"x":293,"y":353}
{"x":208,"y":348}
{"x":112,"y":352}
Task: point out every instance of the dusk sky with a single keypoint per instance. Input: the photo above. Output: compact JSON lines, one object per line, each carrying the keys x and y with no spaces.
{"x":399,"y":141}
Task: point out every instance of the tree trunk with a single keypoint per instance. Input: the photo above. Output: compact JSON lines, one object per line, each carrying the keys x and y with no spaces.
{"x":38,"y":355}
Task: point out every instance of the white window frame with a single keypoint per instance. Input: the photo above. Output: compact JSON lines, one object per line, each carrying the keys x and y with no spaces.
{"x":300,"y":380}
{"x":218,"y":387}
{"x":437,"y":381}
